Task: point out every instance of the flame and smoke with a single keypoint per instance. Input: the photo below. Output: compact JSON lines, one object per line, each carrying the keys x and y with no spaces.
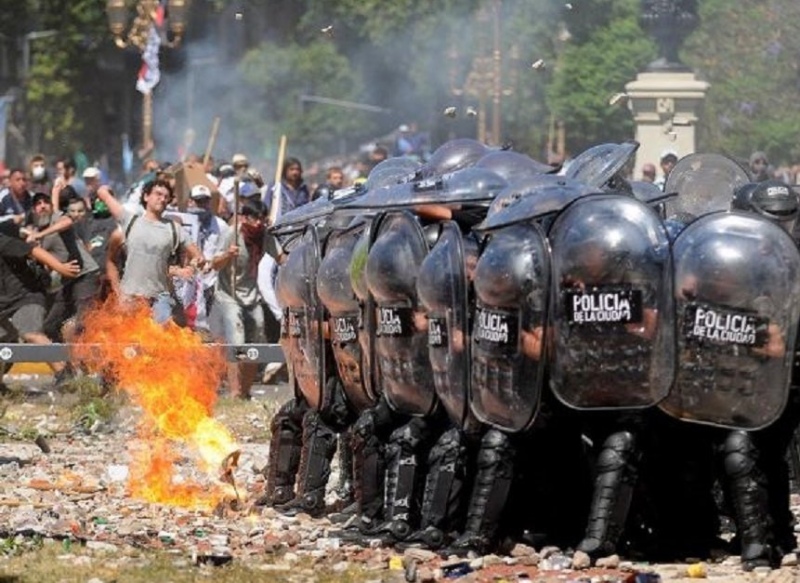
{"x":173,"y":377}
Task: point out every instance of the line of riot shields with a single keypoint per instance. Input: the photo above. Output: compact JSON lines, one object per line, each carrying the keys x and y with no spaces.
{"x":508,"y":352}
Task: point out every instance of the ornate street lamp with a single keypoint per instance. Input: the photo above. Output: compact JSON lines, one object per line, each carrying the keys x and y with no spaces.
{"x":147,"y":33}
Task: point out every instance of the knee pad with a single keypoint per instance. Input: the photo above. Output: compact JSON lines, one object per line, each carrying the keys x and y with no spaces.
{"x":495,"y":448}
{"x":449,"y":445}
{"x":740,"y":454}
{"x":617,"y":451}
{"x":409,"y":436}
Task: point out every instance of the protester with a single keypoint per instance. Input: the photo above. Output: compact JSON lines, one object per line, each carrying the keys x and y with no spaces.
{"x":293,"y":190}
{"x":152,"y":242}
{"x":236,"y":315}
{"x":22,"y":300}
{"x":16,"y":200}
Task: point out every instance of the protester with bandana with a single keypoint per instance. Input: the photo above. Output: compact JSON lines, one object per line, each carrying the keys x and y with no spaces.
{"x":237,"y":315}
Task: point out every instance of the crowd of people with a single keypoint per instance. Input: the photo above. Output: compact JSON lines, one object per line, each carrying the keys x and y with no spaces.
{"x":462,"y":369}
{"x":204,"y":262}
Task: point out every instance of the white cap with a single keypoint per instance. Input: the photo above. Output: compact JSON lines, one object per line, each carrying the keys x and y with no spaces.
{"x":404,"y":128}
{"x":91,"y":172}
{"x":669,"y":152}
{"x":200,"y":191}
{"x":239,"y":159}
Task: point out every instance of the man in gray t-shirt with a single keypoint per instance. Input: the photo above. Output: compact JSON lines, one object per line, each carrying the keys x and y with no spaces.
{"x":151,"y":241}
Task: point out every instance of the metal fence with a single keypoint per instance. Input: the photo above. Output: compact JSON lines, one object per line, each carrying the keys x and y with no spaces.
{"x":13,"y":352}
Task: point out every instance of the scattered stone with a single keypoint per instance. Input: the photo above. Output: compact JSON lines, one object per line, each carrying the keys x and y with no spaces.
{"x":421,"y":555}
{"x":490,"y":560}
{"x":521,"y":550}
{"x":96,"y":545}
{"x":762,"y":571}
{"x":610,"y":562}
{"x":340,"y":567}
{"x":789,"y":560}
{"x":547,"y":551}
{"x":476,"y":564}
{"x":581,"y":560}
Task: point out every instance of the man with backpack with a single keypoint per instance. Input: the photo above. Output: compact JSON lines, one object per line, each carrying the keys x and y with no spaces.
{"x":152,"y":245}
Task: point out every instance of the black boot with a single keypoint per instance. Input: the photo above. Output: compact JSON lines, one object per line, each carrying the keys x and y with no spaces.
{"x":443,"y":499}
{"x":611,"y":499}
{"x":403,"y":452}
{"x":284,"y":454}
{"x":319,"y":446}
{"x":489,"y":495}
{"x":368,"y":436}
{"x":748,"y":491}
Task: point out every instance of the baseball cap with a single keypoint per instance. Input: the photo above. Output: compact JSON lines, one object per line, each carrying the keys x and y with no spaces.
{"x":248,"y":189}
{"x":91,"y":172}
{"x":200,"y":191}
{"x":239,"y":160}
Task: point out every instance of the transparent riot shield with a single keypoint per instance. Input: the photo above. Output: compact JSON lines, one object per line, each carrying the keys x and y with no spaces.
{"x":400,"y":330}
{"x":511,"y":284}
{"x":443,"y":290}
{"x":611,"y":312}
{"x":737,"y":297}
{"x":345,"y":319}
{"x":704,"y":183}
{"x":302,"y":335}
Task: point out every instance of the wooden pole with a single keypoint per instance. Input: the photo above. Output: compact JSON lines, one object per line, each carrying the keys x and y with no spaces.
{"x":235,"y":231}
{"x":275,"y":206}
{"x":211,"y":139}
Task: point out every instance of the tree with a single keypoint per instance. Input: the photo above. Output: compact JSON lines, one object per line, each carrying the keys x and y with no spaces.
{"x":594,"y":65}
{"x":748,"y":51}
{"x":277,"y":76}
{"x":56,"y":87}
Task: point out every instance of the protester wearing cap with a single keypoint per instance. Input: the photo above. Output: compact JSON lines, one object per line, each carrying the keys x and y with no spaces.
{"x":240,"y":163}
{"x":211,"y":233}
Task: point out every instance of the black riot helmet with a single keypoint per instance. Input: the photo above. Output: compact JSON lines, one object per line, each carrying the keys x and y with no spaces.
{"x":453,"y":155}
{"x":772,"y":199}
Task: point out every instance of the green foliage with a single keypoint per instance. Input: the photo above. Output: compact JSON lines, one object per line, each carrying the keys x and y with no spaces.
{"x":275,"y":77}
{"x":748,"y":52}
{"x":589,"y":73}
{"x":56,"y":98}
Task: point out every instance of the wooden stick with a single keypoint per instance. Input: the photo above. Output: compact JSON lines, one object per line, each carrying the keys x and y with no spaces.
{"x":275,"y":207}
{"x":211,"y":139}
{"x":236,"y":184}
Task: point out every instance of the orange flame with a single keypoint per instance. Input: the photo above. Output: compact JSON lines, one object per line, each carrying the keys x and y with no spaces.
{"x":173,"y":377}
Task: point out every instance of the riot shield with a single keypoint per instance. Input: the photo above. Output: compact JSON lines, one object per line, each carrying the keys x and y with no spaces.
{"x":513,"y":166}
{"x":737,"y":298}
{"x":396,"y":252}
{"x":611,"y":310}
{"x":302,"y":335}
{"x":509,"y":322}
{"x":443,"y":290}
{"x":470,"y":186}
{"x":358,"y":281}
{"x":345,"y":317}
{"x":532,"y":199}
{"x":598,"y":165}
{"x":704,"y":183}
